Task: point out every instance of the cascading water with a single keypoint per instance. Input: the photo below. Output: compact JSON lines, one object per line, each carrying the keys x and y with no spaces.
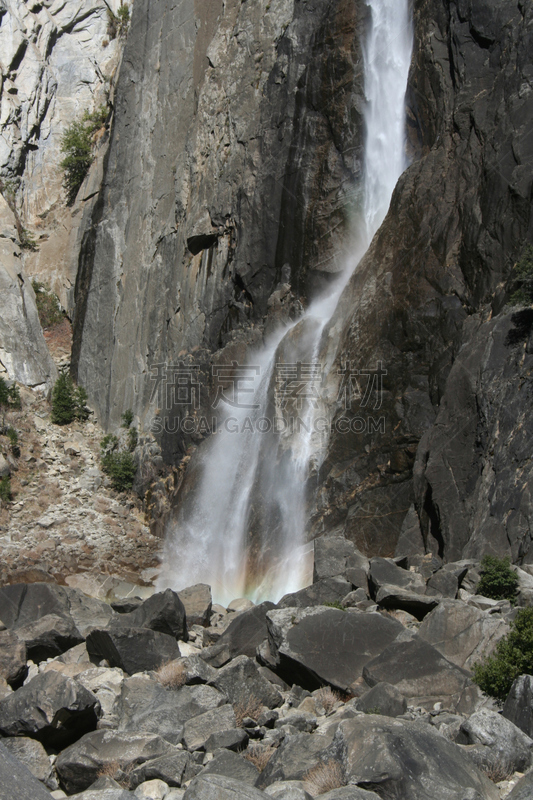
{"x":254,"y":481}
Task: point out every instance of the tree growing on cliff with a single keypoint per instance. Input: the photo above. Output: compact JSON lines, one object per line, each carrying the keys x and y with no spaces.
{"x":77,"y":143}
{"x":498,"y":581}
{"x":69,"y":402}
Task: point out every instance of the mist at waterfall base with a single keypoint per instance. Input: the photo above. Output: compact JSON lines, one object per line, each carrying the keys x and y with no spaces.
{"x":242,"y":527}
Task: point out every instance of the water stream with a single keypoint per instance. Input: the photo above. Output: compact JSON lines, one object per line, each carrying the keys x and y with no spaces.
{"x":243,"y":528}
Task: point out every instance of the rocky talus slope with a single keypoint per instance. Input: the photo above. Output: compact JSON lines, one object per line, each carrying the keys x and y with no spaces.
{"x":357,"y":687}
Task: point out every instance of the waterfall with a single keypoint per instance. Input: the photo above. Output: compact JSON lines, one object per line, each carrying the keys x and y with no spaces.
{"x":255,"y":481}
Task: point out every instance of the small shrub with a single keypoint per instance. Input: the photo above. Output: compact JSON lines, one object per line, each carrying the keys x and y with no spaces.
{"x":259,"y":755}
{"x":9,"y":395}
{"x":335,"y":604}
{"x":324,"y":778}
{"x":108,"y":444}
{"x":14,"y":441}
{"x":523,"y":276}
{"x":127,"y":418}
{"x":48,"y":307}
{"x":5,"y":489}
{"x":120,"y":467}
{"x":498,"y":581}
{"x":77,"y":145}
{"x":133,"y":438}
{"x":252,"y":707}
{"x":373,"y":710}
{"x":117,"y":24}
{"x":498,"y":770}
{"x":68,"y":401}
{"x":173,"y":675}
{"x":27,"y":240}
{"x":513,"y":657}
{"x":327,"y":698}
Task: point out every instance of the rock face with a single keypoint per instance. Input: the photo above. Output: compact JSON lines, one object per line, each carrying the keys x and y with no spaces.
{"x":17,"y":780}
{"x":518,"y":707}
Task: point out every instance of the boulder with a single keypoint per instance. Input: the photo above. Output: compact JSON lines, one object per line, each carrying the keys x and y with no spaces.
{"x":328,"y":590}
{"x":400,"y":759}
{"x":443,"y":583}
{"x":87,"y":612}
{"x":384,"y":572}
{"x":31,"y":753}
{"x":422,"y":675}
{"x":151,"y":790}
{"x":349,"y":793}
{"x":518,"y":707}
{"x":240,"y":604}
{"x":196,"y":670}
{"x":325,"y":645}
{"x":241,"y":681}
{"x":419,"y":605}
{"x":147,"y":706}
{"x":523,"y":790}
{"x":23,"y":604}
{"x":173,"y":769}
{"x":79,"y":765}
{"x":246,"y":632}
{"x":198,"y":729}
{"x":197,"y":602}
{"x":234,"y":739}
{"x":117,"y":793}
{"x":162,"y":612}
{"x":52,"y":708}
{"x":16,"y":780}
{"x":507,"y":743}
{"x":334,"y":555}
{"x":133,"y":649}
{"x":49,"y":636}
{"x":462,"y":633}
{"x":295,"y":757}
{"x":288,"y":790}
{"x":232,"y":765}
{"x":106,"y":684}
{"x":13,"y":667}
{"x":383,"y":699}
{"x":218,"y":787}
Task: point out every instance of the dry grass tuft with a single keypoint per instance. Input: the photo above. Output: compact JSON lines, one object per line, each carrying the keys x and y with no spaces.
{"x":498,"y":770}
{"x":110,"y":770}
{"x":324,"y":778}
{"x":259,"y":755}
{"x":251,"y":707}
{"x":327,"y":698}
{"x":172,"y":675}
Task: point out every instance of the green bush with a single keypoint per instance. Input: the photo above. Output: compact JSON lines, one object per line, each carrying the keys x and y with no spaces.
{"x":133,"y":439}
{"x":9,"y":395}
{"x":127,"y":418}
{"x":121,"y":469}
{"x":335,"y":604}
{"x":48,"y":307}
{"x":5,"y":489}
{"x":523,"y":276}
{"x":68,"y":401}
{"x":14,"y":441}
{"x":498,"y":581}
{"x":77,"y":144}
{"x":117,"y":24}
{"x":513,"y":657}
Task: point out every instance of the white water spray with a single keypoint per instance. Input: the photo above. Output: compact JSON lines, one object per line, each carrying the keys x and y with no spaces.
{"x":255,"y":483}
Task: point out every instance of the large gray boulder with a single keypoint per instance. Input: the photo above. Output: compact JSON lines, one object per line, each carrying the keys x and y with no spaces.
{"x":383,"y":699}
{"x":287,"y":790}
{"x":198,"y":729}
{"x":218,"y":787}
{"x":334,"y":555}
{"x":79,"y":765}
{"x":523,"y":789}
{"x":173,"y":769}
{"x":13,"y":657}
{"x":384,"y":572}
{"x":295,"y":757}
{"x":349,"y":793}
{"x":422,"y":675}
{"x":246,"y":632}
{"x":324,"y":645}
{"x":505,"y":742}
{"x":395,"y":597}
{"x":49,"y":636}
{"x":23,"y":604}
{"x":232,"y":765}
{"x":31,"y":753}
{"x":461,"y":632}
{"x":197,"y":602}
{"x":133,"y":649}
{"x":147,"y":706}
{"x":163,"y":612}
{"x":407,"y":760}
{"x":518,"y":707}
{"x":88,"y":612}
{"x":52,"y":708}
{"x":328,"y":590}
{"x":16,"y":781}
{"x":241,"y":681}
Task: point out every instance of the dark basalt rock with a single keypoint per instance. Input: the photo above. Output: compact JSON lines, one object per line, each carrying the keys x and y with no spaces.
{"x":13,"y":658}
{"x":24,"y":604}
{"x":51,"y":708}
{"x":383,"y":699}
{"x":49,"y":636}
{"x":240,"y":680}
{"x":329,"y":590}
{"x":246,"y":632}
{"x":17,"y":781}
{"x":325,"y":645}
{"x":133,"y":649}
{"x":163,"y":612}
